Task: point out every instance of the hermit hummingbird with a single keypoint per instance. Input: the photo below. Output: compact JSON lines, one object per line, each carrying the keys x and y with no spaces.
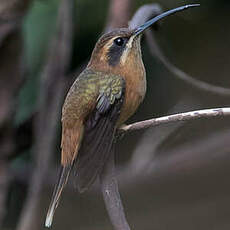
{"x":101,"y":99}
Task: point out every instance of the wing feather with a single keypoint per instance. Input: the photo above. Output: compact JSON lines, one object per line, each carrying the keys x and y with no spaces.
{"x":99,"y":135}
{"x":94,"y":137}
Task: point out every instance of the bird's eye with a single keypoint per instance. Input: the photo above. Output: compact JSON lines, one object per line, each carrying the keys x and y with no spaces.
{"x":119,"y":41}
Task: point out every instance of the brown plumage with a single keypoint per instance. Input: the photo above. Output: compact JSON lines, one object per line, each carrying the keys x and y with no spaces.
{"x":82,"y":97}
{"x":101,"y":99}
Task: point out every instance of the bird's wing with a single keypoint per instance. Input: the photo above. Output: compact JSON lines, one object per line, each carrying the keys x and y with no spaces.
{"x":79,"y":101}
{"x":99,"y":132}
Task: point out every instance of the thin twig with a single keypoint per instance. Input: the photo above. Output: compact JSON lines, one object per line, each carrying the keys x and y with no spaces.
{"x":192,"y":115}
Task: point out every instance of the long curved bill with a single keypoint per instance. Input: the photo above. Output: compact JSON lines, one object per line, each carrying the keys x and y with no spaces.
{"x":141,"y":28}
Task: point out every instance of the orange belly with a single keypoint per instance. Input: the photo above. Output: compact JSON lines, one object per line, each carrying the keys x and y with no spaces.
{"x":134,"y":95}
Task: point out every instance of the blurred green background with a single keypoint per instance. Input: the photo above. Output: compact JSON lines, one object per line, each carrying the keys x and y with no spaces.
{"x":195,"y":196}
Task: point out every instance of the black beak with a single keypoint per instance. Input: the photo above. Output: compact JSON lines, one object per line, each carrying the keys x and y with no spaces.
{"x":141,"y":28}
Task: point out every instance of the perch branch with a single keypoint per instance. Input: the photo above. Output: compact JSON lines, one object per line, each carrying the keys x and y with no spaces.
{"x":186,"y":116}
{"x":162,"y":167}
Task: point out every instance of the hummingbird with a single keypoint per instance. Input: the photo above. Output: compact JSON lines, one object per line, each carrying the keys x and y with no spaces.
{"x":101,"y":99}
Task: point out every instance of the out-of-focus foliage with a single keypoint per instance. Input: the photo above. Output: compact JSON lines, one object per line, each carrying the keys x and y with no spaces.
{"x":38,"y":28}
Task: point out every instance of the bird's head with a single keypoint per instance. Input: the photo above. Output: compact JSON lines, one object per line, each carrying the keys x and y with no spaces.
{"x":114,"y":49}
{"x":120,"y":48}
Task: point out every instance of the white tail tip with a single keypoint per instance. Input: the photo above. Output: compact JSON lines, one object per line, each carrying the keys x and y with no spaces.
{"x":49,"y":219}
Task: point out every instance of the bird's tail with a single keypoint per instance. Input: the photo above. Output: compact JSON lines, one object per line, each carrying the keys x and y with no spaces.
{"x":62,"y":180}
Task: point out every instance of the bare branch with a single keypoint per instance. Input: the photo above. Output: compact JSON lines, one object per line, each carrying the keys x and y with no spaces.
{"x":185,"y":157}
{"x":192,"y":115}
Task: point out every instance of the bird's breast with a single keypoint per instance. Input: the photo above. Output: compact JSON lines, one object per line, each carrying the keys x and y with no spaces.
{"x":135,"y":91}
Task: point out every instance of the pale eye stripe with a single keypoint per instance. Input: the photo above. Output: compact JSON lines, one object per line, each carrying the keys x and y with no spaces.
{"x":106,"y":49}
{"x":126,"y":50}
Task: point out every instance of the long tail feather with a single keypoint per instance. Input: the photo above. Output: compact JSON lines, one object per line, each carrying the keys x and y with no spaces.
{"x":63,"y":177}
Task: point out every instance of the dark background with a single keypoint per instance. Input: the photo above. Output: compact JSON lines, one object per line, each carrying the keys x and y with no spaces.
{"x":172,"y":176}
